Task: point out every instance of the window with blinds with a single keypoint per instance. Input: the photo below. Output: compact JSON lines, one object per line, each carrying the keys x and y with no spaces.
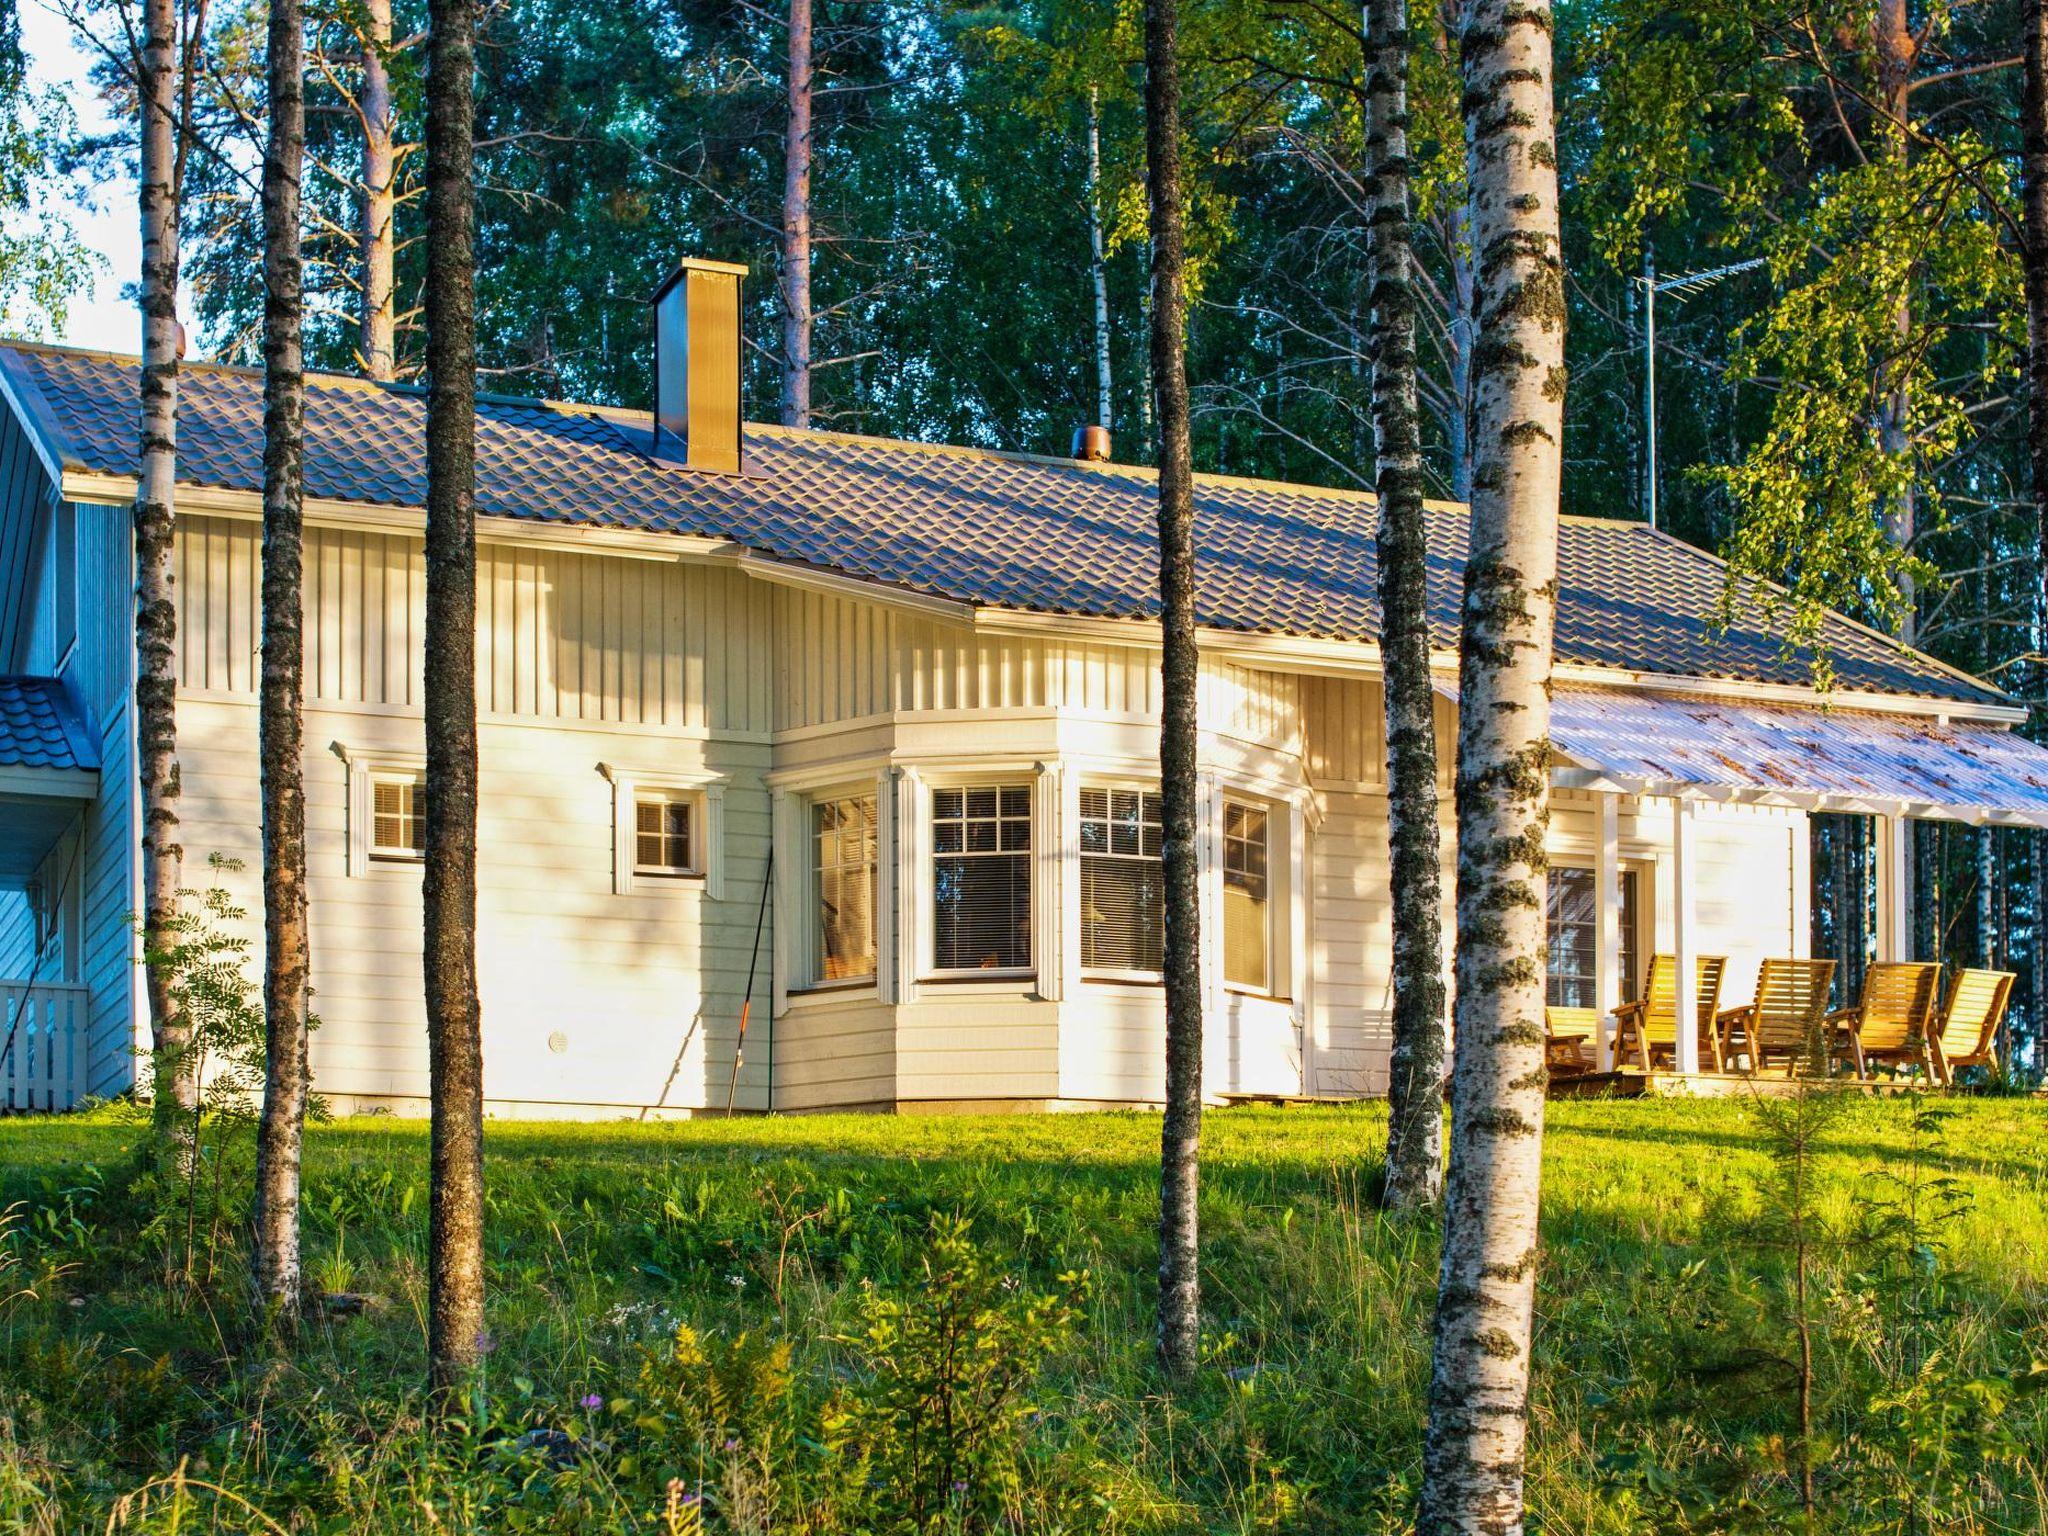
{"x":665,"y":835}
{"x":398,"y":816}
{"x":1123,"y":914}
{"x":843,"y":831}
{"x":981,"y":878}
{"x":1247,"y":903}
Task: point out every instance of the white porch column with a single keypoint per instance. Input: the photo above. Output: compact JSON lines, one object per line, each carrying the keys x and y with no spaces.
{"x":1894,"y":905}
{"x":1685,"y":942}
{"x":1607,"y":976}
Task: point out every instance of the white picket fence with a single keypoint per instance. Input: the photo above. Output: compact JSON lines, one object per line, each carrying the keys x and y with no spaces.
{"x":42,"y":1047}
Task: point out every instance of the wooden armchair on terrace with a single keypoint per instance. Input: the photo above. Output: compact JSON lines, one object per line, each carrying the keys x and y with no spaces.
{"x":1892,"y":1022}
{"x":1968,"y":1030}
{"x":1566,"y":1034}
{"x":1787,"y":1019}
{"x":1648,"y":1027}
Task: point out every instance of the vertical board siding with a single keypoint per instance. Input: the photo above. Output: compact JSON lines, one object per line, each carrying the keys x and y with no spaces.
{"x":591,"y":999}
{"x":561,"y":635}
{"x":26,"y":496}
{"x":103,"y":670}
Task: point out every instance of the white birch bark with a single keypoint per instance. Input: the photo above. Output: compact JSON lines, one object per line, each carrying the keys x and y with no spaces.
{"x":1479,"y":1389}
{"x":1098,"y":267}
{"x":378,"y":328}
{"x":156,"y":617}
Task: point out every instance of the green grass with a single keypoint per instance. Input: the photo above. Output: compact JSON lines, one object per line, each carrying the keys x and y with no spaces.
{"x":1661,"y":1400}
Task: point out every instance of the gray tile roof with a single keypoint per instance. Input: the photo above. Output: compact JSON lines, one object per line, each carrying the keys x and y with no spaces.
{"x":39,"y":728}
{"x":983,"y":528}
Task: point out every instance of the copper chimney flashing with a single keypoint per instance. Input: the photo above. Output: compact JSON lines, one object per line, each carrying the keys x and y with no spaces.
{"x":697,"y":365}
{"x":1091,"y":445}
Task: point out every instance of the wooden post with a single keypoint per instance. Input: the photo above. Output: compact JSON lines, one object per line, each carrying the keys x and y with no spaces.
{"x":1607,"y":977}
{"x":1894,"y":910}
{"x":1683,"y":864}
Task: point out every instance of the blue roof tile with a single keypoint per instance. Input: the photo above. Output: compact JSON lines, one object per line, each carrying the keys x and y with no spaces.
{"x":39,"y":728}
{"x":981,"y":528}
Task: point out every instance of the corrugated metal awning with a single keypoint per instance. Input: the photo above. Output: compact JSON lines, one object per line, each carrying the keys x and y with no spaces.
{"x":1786,"y":754}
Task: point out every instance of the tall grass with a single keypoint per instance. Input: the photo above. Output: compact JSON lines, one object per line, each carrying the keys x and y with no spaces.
{"x":741,"y":1326}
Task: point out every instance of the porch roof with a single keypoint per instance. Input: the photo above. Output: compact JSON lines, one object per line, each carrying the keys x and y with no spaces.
{"x":39,"y":728}
{"x":1862,"y":761}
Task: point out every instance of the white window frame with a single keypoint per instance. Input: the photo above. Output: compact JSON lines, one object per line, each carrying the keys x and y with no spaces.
{"x":1111,"y":782}
{"x":1280,"y":894}
{"x":811,"y":930}
{"x":922,"y":859}
{"x":693,"y":802}
{"x":705,"y":790}
{"x":365,"y":768}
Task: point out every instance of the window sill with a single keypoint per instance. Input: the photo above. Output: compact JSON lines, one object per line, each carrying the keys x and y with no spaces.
{"x":1004,"y":979}
{"x":1149,"y":981}
{"x":1256,"y":994}
{"x":676,"y":876}
{"x":825,"y":993}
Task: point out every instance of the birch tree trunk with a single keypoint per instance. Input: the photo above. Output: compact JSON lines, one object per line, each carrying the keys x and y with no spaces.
{"x":378,"y":329}
{"x":176,"y":1100}
{"x":796,"y":225}
{"x":280,"y":1131}
{"x":1181,"y":1132}
{"x":455,"y":1263}
{"x":1479,"y":1388}
{"x":1415,"y":1079}
{"x":1097,"y":266}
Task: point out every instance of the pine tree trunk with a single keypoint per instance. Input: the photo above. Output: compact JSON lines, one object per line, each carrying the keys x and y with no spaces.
{"x":1415,"y":1084}
{"x":1479,"y":1390}
{"x":286,"y":953}
{"x":176,"y":1085}
{"x":796,"y":225}
{"x":455,"y":1263}
{"x":2034,"y":199}
{"x":1898,"y":48}
{"x":378,"y":330}
{"x":1181,"y":1133}
{"x":1098,"y":267}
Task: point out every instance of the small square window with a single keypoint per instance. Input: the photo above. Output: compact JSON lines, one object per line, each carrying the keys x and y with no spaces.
{"x":665,"y":835}
{"x":398,"y":815}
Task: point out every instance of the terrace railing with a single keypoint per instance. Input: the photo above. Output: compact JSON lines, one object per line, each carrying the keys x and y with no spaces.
{"x":42,"y":1047}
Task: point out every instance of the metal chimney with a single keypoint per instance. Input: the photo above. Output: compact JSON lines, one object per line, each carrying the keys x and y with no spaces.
{"x":1091,"y":445}
{"x":697,"y":365}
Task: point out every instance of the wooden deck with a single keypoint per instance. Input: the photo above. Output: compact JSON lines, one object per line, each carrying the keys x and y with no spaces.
{"x":1711,"y":1085}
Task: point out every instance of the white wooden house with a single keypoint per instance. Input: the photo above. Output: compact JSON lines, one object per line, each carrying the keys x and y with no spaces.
{"x":891,"y":707}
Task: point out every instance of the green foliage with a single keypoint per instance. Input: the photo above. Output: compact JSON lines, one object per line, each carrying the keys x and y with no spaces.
{"x":932,"y":1283}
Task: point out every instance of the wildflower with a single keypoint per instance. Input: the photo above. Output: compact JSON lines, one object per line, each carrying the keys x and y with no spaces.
{"x":592,"y":1402}
{"x":959,"y":1487}
{"x":731,"y":1444}
{"x":737,"y":1282}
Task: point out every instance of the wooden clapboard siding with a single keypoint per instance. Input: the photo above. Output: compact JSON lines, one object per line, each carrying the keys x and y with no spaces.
{"x":561,"y":634}
{"x":954,"y":1047}
{"x":644,"y":989}
{"x":835,"y":1050}
{"x":26,"y":496}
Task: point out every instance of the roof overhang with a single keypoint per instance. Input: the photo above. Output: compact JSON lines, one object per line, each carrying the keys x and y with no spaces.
{"x":1300,"y":653}
{"x":1765,"y":753}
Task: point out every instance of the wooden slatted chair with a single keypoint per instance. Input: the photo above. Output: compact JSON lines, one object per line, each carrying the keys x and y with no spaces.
{"x":1968,"y":1027}
{"x":1789,"y":1014}
{"x":1566,"y":1032}
{"x":1648,"y":1027}
{"x":1893,"y":1021}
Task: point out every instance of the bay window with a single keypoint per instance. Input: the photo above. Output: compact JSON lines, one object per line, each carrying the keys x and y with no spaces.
{"x":1123,"y":919}
{"x":844,"y":847}
{"x":1247,"y":898}
{"x":981,"y":878}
